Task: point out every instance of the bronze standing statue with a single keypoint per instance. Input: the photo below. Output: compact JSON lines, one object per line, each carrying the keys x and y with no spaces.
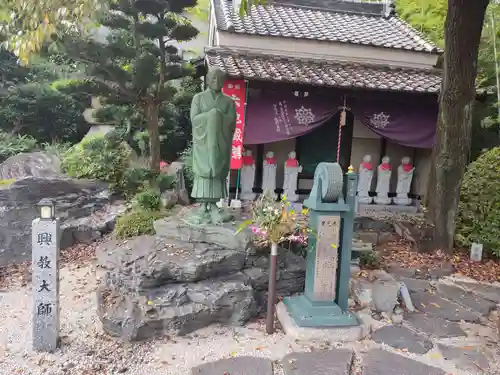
{"x":213,"y":117}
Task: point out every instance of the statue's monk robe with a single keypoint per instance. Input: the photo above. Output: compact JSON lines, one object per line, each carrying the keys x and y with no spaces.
{"x":213,"y":117}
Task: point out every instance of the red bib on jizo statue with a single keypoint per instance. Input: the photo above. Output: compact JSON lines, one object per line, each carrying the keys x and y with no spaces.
{"x":248,"y":160}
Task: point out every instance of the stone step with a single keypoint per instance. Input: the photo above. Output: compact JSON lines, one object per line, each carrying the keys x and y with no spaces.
{"x":361,"y":246}
{"x":323,"y":362}
{"x":375,"y":237}
{"x":236,"y":366}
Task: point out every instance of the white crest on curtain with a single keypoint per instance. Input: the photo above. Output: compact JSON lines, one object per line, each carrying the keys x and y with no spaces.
{"x":379,"y":120}
{"x":304,"y":116}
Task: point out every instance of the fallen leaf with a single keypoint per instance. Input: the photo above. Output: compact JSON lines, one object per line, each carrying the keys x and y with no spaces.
{"x":435,"y":304}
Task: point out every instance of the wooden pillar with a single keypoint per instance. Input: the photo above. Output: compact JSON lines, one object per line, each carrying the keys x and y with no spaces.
{"x":259,"y":159}
{"x":383,"y":149}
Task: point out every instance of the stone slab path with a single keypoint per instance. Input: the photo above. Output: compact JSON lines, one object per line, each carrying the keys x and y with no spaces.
{"x":440,"y":338}
{"x":458,"y":348}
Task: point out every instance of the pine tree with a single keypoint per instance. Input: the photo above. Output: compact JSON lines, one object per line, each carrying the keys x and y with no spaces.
{"x":136,"y":66}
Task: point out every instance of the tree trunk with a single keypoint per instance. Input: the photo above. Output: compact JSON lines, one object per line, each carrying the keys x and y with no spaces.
{"x":152,"y":112}
{"x":463,"y":27}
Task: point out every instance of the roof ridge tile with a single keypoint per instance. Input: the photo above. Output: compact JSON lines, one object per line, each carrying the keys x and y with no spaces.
{"x":302,"y":22}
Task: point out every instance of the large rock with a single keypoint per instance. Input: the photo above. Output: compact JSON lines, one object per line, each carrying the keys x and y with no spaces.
{"x":75,"y":200}
{"x":30,"y":164}
{"x":175,"y":309}
{"x":224,"y":235}
{"x":151,"y":261}
{"x":197,"y":276}
{"x":290,"y":276}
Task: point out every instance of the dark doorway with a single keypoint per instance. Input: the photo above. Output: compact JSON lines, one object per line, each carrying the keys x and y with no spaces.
{"x":320,"y":145}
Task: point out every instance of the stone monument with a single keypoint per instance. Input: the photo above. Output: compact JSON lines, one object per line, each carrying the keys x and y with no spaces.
{"x":247,"y":176}
{"x":384,"y":172}
{"x":405,"y":175}
{"x":325,"y":300}
{"x":45,"y":279}
{"x":365,"y":180}
{"x":269,"y":174}
{"x":213,"y":117}
{"x":292,"y":170}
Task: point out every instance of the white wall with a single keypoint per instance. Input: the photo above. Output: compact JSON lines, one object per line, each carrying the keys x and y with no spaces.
{"x":342,"y":52}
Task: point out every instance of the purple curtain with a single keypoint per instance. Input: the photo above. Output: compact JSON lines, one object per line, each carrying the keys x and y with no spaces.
{"x":279,"y":115}
{"x":276,"y":116}
{"x":402,"y":122}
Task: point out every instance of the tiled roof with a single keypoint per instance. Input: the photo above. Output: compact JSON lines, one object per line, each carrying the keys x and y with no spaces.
{"x":337,"y":23}
{"x":323,"y":73}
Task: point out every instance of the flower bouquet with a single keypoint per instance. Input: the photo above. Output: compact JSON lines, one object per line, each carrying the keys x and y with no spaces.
{"x":273,"y":223}
{"x":276,"y":222}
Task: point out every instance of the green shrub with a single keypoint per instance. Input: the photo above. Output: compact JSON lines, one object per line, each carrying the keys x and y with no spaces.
{"x":56,"y":148}
{"x":97,"y":158}
{"x":187,"y":159}
{"x":135,"y":179}
{"x":164,"y":182}
{"x":45,"y":113}
{"x":136,"y":223}
{"x":147,"y":200}
{"x":478,"y":217}
{"x":12,"y":144}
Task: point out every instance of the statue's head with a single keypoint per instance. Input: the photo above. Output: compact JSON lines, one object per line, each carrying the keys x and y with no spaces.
{"x":405,"y":160}
{"x":367,"y":158}
{"x":386,"y":159}
{"x":215,"y":79}
{"x":269,"y":154}
{"x":292,"y":155}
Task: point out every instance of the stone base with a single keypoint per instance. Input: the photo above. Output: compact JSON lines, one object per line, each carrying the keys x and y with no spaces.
{"x":319,"y":314}
{"x":402,"y":201}
{"x":292,"y":197}
{"x":364,"y":200}
{"x":247,"y":196}
{"x":331,"y":334}
{"x":382,"y":200}
{"x":377,"y":209}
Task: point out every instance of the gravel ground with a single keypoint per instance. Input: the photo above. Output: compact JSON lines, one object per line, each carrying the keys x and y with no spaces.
{"x":86,"y":350}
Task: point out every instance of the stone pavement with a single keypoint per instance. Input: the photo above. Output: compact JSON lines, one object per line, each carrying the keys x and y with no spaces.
{"x":453,"y":332}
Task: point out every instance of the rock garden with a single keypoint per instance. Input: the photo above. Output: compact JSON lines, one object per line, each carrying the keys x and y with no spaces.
{"x":121,"y":137}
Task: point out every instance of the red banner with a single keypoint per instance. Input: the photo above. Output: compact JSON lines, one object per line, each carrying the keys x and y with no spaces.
{"x":236,"y":89}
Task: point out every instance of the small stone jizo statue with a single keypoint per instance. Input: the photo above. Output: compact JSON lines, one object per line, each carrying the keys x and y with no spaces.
{"x":405,"y":175}
{"x":269,"y":174}
{"x":365,"y":180}
{"x":247,"y":176}
{"x":213,"y":117}
{"x":384,"y":171}
{"x":292,"y":170}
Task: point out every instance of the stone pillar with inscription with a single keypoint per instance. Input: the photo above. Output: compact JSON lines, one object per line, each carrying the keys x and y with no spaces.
{"x":45,"y":279}
{"x":331,"y":217}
